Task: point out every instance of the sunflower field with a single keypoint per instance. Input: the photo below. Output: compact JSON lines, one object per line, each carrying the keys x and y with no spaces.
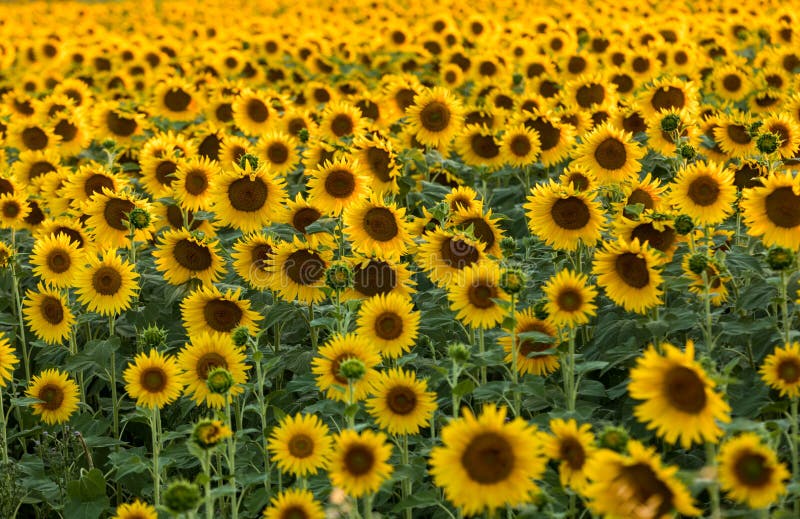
{"x":373,"y":259}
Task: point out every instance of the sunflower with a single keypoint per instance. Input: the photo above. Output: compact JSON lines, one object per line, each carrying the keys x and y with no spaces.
{"x":107,"y":284}
{"x":300,"y":214}
{"x":704,"y":191}
{"x":13,"y":210}
{"x":612,"y":155}
{"x":555,"y":138}
{"x":153,"y":379}
{"x":716,"y":276}
{"x":373,"y":276}
{"x":207,"y":351}
{"x":33,"y":167}
{"x":69,"y":227}
{"x":233,"y":149}
{"x":772,"y":211}
{"x":780,"y":370}
{"x":679,"y":398}
{"x":337,"y":185}
{"x":338,"y":349}
{"x":389,"y":322}
{"x":136,"y":510}
{"x":298,"y":270}
{"x":31,"y":136}
{"x":159,"y":159}
{"x":401,"y":403}
{"x":176,"y":100}
{"x":379,"y":160}
{"x":668,"y":93}
{"x":750,"y":472}
{"x":279,"y":151}
{"x":646,"y":192}
{"x":48,"y":314}
{"x":251,"y":255}
{"x":435,"y":117}
{"x":301,"y":445}
{"x":570,"y":300}
{"x":730,"y":83}
{"x":519,"y":146}
{"x":563,"y":216}
{"x":733,"y":137}
{"x":108,"y":219}
{"x":56,"y":259}
{"x":476,"y":296}
{"x":359,"y":464}
{"x":294,"y":503}
{"x":182,"y":255}
{"x":8,"y":359}
{"x":487,"y":462}
{"x":246,"y":198}
{"x":478,"y":147}
{"x":377,"y":228}
{"x":89,"y":181}
{"x":444,"y":254}
{"x":57,"y":395}
{"x":194,"y":181}
{"x":628,"y":273}
{"x":207,"y":310}
{"x":531,"y":356}
{"x":635,"y":485}
{"x":572,"y":446}
{"x":652,"y":229}
{"x":341,"y":119}
{"x":787,"y":130}
{"x":463,"y":198}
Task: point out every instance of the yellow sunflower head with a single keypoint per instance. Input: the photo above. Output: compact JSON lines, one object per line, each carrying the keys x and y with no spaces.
{"x":301,"y":445}
{"x":750,"y":472}
{"x":781,"y":370}
{"x":57,"y":395}
{"x":153,"y":379}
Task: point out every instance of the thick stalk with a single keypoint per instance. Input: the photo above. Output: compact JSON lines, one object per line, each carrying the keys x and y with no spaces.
{"x":209,"y":499}
{"x":232,"y":461}
{"x":3,"y":432}
{"x":20,"y":318}
{"x":787,"y":318}
{"x":514,"y":360}
{"x":794,"y":450}
{"x":482,"y":350}
{"x":708,"y":331}
{"x":155,"y":425}
{"x":711,"y":460}
{"x":368,"y":506}
{"x":406,"y":483}
{"x":568,"y":373}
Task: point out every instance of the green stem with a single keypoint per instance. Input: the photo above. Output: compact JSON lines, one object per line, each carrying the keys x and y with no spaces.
{"x":482,"y":350}
{"x":351,"y":400}
{"x":368,"y":506}
{"x":568,"y":373}
{"x":209,"y":499}
{"x":311,"y":328}
{"x":155,"y":425}
{"x":711,"y":460}
{"x":794,"y":450}
{"x":406,"y":482}
{"x":787,"y":318}
{"x":455,"y":398}
{"x":3,"y":432}
{"x":20,"y":317}
{"x":708,"y":332}
{"x":262,"y":414}
{"x":232,"y":460}
{"x":514,"y":360}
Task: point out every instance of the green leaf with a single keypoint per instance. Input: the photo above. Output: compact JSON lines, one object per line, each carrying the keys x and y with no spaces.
{"x":86,"y":497}
{"x":464,"y":387}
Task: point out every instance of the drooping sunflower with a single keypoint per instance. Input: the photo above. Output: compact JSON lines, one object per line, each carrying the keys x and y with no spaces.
{"x":337,"y":185}
{"x":390,"y":322}
{"x":444,"y":254}
{"x":8,"y":359}
{"x":108,"y":219}
{"x":572,"y":446}
{"x":570,"y":299}
{"x":194,"y":181}
{"x":279,"y":151}
{"x":207,"y":351}
{"x":520,"y":146}
{"x":207,"y":310}
{"x":628,"y":273}
{"x":612,"y":155}
{"x":248,"y":199}
{"x":377,"y":228}
{"x":401,"y":403}
{"x":107,"y":284}
{"x":251,"y":255}
{"x":635,"y":485}
{"x":772,"y":211}
{"x":48,"y":314}
{"x":58,"y":395}
{"x":476,"y":296}
{"x":781,"y":370}
{"x":56,"y":259}
{"x":359,"y":463}
{"x":153,"y":379}
{"x":487,"y":462}
{"x":298,"y":270}
{"x":704,"y":191}
{"x":301,"y":445}
{"x":435,"y":117}
{"x":13,"y":210}
{"x":294,"y":503}
{"x":531,"y":356}
{"x":183,"y":255}
{"x":326,"y":366}
{"x":562,"y":216}
{"x":750,"y":472}
{"x":136,"y":510}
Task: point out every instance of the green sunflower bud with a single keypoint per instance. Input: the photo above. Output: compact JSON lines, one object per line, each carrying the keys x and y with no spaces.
{"x":303,"y":135}
{"x":248,"y":160}
{"x":241,"y":335}
{"x":684,"y":224}
{"x":220,"y":381}
{"x":352,"y":369}
{"x":182,"y":496}
{"x":139,"y":218}
{"x":698,"y":263}
{"x":512,"y":281}
{"x":508,"y":245}
{"x":459,"y":352}
{"x":152,"y":337}
{"x":670,"y":122}
{"x":767,"y":143}
{"x":688,"y":152}
{"x":780,"y":258}
{"x":614,"y":438}
{"x":540,"y":311}
{"x":339,"y":276}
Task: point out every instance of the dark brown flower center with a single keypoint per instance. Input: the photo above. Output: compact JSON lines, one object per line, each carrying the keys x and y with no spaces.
{"x":738,"y":134}
{"x":752,"y":470}
{"x":480,"y":295}
{"x":549,"y":134}
{"x":458,"y":253}
{"x":404,"y":98}
{"x":783,"y":207}
{"x":389,"y":326}
{"x":294,"y":512}
{"x":106,"y":281}
{"x":640,"y":196}
{"x":153,"y":379}
{"x":192,"y":256}
{"x":591,"y":94}
{"x":301,"y":446}
{"x":611,"y":154}
{"x":359,"y":460}
{"x":248,"y":194}
{"x":260,"y":255}
{"x":95,"y":184}
{"x":115,"y":213}
{"x":484,"y":146}
{"x":58,"y":260}
{"x":304,"y":267}
{"x":488,"y":458}
{"x":177,"y":100}
{"x":224,"y":112}
{"x":520,"y":145}
{"x":634,"y":123}
{"x":660,"y":240}
{"x":704,"y":191}
{"x":209,"y":147}
{"x":342,"y":125}
{"x":435,"y":117}
{"x":52,"y":310}
{"x":52,"y":396}
{"x":377,"y":277}
{"x":34,"y":138}
{"x":685,"y":390}
{"x":119,"y":125}
{"x":196,"y":182}
{"x":73,"y":235}
{"x":570,"y":213}
{"x":668,"y":97}
{"x":66,"y":130}
{"x":632,"y":270}
{"x":208,"y":362}
{"x":481,"y":230}
{"x":340,"y":183}
{"x":304,"y":217}
{"x":11,"y":209}
{"x":646,"y":488}
{"x":528,"y":346}
{"x":569,"y":300}
{"x":732,"y":83}
{"x":380,"y":161}
{"x":380,"y":224}
{"x":257,"y":111}
{"x":222,"y":315}
{"x":277,"y":153}
{"x":401,"y":400}
{"x":164,"y":172}
{"x":789,"y":371}
{"x":571,"y":451}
